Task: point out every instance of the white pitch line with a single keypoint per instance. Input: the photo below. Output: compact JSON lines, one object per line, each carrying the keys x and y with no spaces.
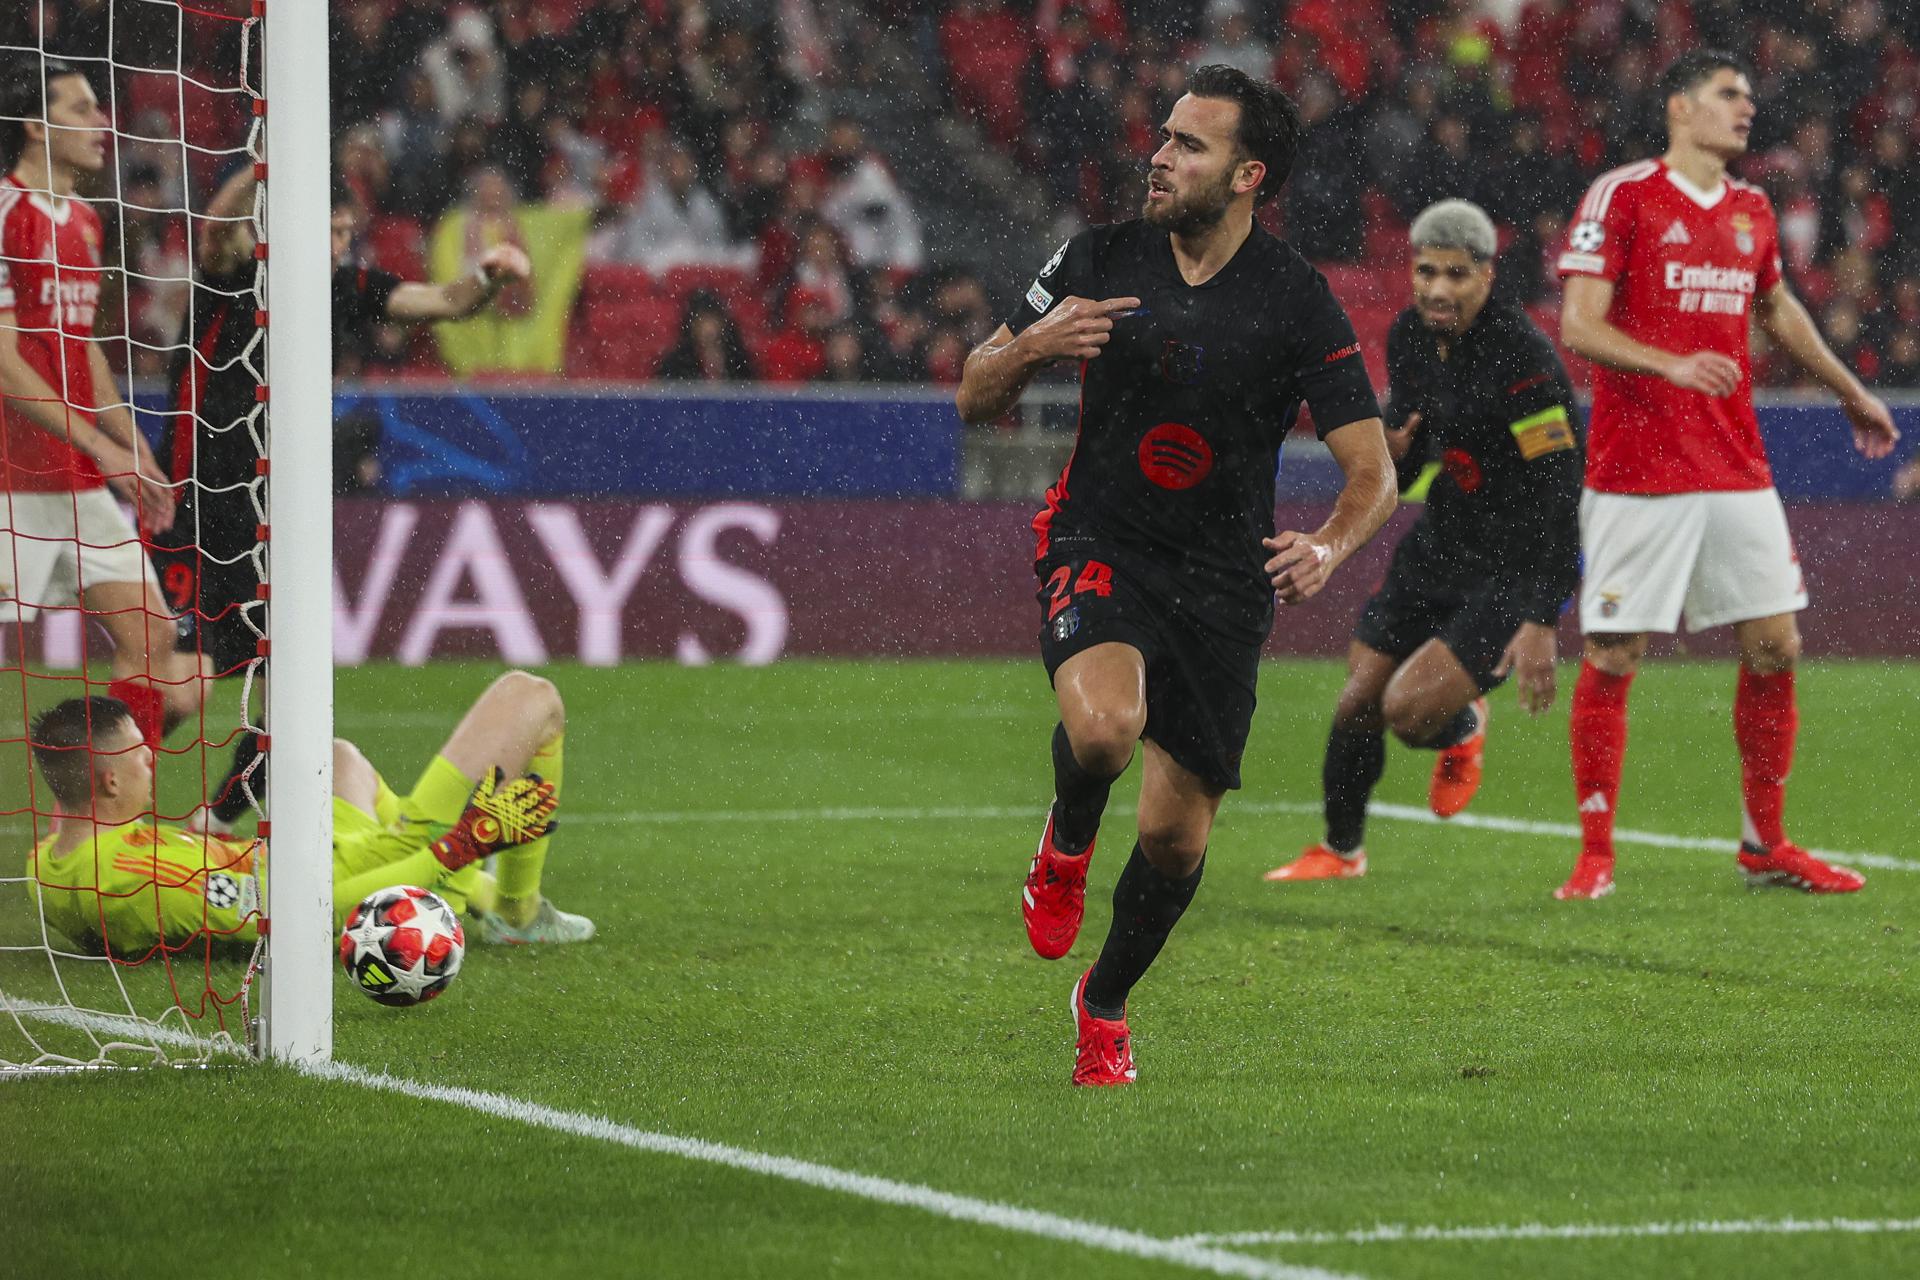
{"x":1182,"y":1253}
{"x":1391,"y":812}
{"x":1389,"y":1234}
{"x":124,"y":1031}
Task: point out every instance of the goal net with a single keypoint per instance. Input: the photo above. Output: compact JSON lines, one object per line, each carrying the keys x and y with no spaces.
{"x":140,"y":910}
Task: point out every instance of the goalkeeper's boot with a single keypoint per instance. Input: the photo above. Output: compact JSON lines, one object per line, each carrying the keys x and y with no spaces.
{"x":1592,"y":877}
{"x":500,"y":813}
{"x":1318,"y":862}
{"x":1103,"y":1047}
{"x":1456,"y":774}
{"x":549,"y":924}
{"x":1055,"y":896}
{"x":1790,"y":866}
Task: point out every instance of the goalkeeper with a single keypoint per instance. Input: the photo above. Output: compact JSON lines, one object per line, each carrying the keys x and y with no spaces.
{"x":113,"y":878}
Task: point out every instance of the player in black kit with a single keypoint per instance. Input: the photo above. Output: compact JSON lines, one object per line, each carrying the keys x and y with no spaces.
{"x":211,"y":562}
{"x":1480,"y":397}
{"x":1199,"y":336}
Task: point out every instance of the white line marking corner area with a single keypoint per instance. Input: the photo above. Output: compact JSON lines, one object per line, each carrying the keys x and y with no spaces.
{"x":1182,"y":1253}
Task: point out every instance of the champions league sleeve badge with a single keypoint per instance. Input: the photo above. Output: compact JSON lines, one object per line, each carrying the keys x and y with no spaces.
{"x":1587,"y":236}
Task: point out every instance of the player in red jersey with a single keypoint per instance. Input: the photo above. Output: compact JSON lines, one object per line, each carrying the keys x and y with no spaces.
{"x":1665,"y":263}
{"x":67,"y":434}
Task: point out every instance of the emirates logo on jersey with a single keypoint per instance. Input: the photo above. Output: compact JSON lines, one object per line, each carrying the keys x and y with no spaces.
{"x":1175,"y":456}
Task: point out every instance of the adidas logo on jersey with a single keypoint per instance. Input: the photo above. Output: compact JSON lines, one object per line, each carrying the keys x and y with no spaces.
{"x":1677,"y":234}
{"x":1595,"y":803}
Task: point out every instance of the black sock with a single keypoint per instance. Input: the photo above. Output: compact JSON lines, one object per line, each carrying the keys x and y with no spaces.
{"x":1146,"y":906}
{"x":1465,"y":723}
{"x":230,"y":800}
{"x":1079,"y":797}
{"x":1355,"y":760}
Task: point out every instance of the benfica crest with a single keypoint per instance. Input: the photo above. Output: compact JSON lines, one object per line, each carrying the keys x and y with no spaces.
{"x":1743,"y":232}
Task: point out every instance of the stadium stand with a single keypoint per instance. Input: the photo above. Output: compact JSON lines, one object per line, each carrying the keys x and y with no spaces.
{"x":931,"y":139}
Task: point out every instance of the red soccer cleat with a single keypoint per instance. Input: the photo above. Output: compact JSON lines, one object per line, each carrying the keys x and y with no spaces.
{"x":1792,"y":867}
{"x":1055,"y":897}
{"x":1317,"y":862}
{"x":1592,"y":878}
{"x":1456,"y":774}
{"x":1103,"y":1048}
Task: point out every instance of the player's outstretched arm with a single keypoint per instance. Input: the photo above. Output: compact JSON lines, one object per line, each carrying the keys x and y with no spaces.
{"x":1789,"y":326}
{"x":1302,"y":562}
{"x":1585,"y":330}
{"x":499,"y":267}
{"x":999,"y":369}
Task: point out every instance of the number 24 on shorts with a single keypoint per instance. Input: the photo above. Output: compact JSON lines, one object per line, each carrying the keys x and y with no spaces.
{"x":1094,"y":576}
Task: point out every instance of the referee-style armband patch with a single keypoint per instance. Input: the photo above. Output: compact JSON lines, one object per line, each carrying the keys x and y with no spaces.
{"x":1417,"y":491}
{"x":1542,"y":433}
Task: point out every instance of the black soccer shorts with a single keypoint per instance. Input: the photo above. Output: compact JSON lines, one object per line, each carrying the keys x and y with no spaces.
{"x":1474,"y":620}
{"x":1200,"y":673}
{"x":208,"y":585}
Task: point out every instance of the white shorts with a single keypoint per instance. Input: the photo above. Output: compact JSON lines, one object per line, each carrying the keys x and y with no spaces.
{"x":55,"y":545}
{"x":1720,"y":557}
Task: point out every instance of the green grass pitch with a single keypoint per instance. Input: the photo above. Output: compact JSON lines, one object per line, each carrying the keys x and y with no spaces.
{"x":806,"y":879}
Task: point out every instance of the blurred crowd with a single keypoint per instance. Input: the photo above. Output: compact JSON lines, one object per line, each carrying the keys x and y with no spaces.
{"x":1515,"y":104}
{"x":742,"y":225}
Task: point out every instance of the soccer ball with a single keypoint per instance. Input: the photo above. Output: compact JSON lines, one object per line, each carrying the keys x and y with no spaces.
{"x":402,"y":946}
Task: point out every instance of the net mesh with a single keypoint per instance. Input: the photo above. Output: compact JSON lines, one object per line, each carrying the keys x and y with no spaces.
{"x":126,"y":936}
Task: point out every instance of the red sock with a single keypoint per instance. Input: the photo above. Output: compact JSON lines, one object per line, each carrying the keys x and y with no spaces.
{"x":1765,"y":718}
{"x":1597,"y":730}
{"x":147,"y":707}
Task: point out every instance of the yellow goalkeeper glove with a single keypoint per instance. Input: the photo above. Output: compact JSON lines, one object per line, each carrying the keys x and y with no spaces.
{"x":500,"y":813}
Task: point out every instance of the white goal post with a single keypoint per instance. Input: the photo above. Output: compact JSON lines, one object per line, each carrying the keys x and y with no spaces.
{"x":297,"y":1016}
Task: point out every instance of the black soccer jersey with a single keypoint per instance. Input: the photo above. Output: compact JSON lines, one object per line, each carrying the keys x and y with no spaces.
{"x":212,"y":386}
{"x":1183,"y":414}
{"x":206,"y":437}
{"x":1499,"y":422}
{"x":211,"y":382}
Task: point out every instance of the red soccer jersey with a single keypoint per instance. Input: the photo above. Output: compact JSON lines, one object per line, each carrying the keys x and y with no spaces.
{"x":50,"y":281}
{"x":1686,"y":267}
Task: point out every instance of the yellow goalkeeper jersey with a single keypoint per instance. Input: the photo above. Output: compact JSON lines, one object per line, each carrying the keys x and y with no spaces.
{"x":138,"y":885}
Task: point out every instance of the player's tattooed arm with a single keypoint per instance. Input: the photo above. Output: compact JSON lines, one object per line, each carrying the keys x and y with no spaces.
{"x":1789,"y":327}
{"x":999,"y":369}
{"x":1302,"y":562}
{"x":1585,"y":330}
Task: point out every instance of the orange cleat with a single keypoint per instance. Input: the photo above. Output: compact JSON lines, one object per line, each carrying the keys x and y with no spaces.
{"x":1456,"y":774}
{"x":1055,"y":896}
{"x":1317,"y":862}
{"x":1792,"y":867}
{"x":1103,"y":1048}
{"x":1592,"y":877}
